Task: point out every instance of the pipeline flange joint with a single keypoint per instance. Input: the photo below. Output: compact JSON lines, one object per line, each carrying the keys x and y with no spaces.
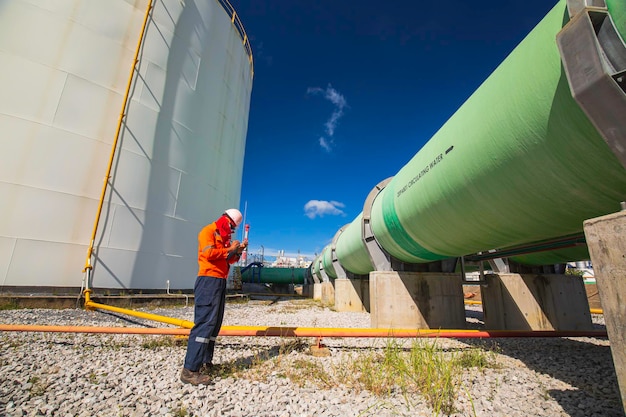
{"x":381,"y":260}
{"x":339,"y":270}
{"x":324,"y":275}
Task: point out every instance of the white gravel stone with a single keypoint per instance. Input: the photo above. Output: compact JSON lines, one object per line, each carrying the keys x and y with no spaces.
{"x":67,"y":374}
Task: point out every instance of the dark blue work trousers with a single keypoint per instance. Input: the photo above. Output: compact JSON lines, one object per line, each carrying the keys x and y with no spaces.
{"x":209,"y":300}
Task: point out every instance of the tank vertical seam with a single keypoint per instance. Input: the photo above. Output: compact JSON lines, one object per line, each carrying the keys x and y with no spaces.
{"x":4,"y":281}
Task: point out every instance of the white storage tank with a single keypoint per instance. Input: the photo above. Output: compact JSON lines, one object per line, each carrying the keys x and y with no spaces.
{"x":64,"y":70}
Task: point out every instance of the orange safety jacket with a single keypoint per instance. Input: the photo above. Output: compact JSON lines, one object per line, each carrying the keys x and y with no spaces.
{"x":212,"y":253}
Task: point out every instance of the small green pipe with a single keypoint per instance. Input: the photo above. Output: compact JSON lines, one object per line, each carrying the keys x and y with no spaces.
{"x":269,"y":275}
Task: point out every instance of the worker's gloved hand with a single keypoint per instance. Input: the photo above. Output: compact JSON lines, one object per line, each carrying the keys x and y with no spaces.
{"x":242,"y":246}
{"x":233,"y":249}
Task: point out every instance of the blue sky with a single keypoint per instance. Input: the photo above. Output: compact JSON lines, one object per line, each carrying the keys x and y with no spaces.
{"x":346,"y":92}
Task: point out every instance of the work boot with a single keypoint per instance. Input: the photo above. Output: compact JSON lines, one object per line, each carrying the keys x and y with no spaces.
{"x":207,"y":368}
{"x":194,"y":378}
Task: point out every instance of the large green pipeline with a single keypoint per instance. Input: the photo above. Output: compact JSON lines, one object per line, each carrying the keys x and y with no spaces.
{"x":617,"y":9}
{"x":268,"y":275}
{"x":518,"y":162}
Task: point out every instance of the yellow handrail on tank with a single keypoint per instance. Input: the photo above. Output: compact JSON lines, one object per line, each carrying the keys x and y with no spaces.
{"x":116,"y":138}
{"x":234,"y":19}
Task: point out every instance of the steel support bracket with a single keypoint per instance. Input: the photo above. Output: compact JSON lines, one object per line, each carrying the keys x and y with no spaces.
{"x":594,"y":59}
{"x":481,"y":272}
{"x":576,"y":6}
{"x":339,"y":271}
{"x":323,"y":273}
{"x":499,"y":265}
{"x":381,"y":260}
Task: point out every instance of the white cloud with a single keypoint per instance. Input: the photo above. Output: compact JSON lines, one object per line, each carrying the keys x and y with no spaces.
{"x":319,"y":208}
{"x":324,"y":144}
{"x":339,"y":101}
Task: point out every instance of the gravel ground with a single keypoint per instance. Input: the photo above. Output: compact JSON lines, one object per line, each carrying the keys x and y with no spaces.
{"x":129,"y":375}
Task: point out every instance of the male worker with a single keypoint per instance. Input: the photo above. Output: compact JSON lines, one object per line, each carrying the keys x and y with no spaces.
{"x":216,"y":253}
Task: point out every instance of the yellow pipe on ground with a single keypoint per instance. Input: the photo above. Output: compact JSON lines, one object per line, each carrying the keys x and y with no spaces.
{"x":256,"y":331}
{"x":591,"y":310}
{"x":90,"y":305}
{"x":186,"y":324}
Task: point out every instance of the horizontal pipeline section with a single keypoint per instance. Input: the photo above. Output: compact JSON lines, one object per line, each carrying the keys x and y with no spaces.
{"x":268,"y":275}
{"x":519,"y":162}
{"x":268,"y":331}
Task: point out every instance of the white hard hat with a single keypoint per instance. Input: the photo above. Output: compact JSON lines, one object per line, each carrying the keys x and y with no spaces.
{"x":235,"y":215}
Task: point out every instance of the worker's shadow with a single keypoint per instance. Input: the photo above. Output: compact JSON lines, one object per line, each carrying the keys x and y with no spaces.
{"x":262,"y":354}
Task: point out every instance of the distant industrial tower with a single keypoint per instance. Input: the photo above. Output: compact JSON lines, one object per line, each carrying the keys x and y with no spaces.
{"x":65,"y":68}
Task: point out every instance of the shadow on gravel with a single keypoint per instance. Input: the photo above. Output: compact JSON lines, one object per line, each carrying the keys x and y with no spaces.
{"x":127,"y":319}
{"x":586,"y":366}
{"x":225,"y":369}
{"x":477,"y":322}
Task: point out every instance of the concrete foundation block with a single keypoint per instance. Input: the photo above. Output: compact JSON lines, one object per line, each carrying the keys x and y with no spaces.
{"x":308,"y":290}
{"x":328,"y":293}
{"x":352,"y":294}
{"x":535,"y":302}
{"x":606,"y":238}
{"x":416,"y":300}
{"x":317,"y":291}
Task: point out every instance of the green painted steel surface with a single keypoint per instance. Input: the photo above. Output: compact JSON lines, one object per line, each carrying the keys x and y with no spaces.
{"x":518,"y":162}
{"x":270,"y":275}
{"x":327,"y":262}
{"x":553,"y":257}
{"x":351,"y":250}
{"x":318,"y":263}
{"x":316,"y":268}
{"x":617,"y":10}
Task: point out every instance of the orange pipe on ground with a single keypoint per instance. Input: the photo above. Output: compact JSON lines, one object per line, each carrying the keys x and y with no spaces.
{"x":267,"y":331}
{"x":92,"y":329}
